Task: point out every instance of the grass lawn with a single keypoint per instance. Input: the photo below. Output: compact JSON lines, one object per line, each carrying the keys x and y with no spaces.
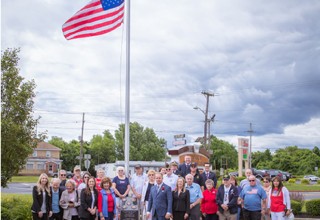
{"x":12,"y":195}
{"x":302,"y":187}
{"x":25,"y":179}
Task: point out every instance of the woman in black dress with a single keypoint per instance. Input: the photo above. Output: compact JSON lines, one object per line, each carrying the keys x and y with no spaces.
{"x":181,"y":201}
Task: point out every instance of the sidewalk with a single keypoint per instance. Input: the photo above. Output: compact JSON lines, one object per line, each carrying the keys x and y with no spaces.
{"x":306,"y":218}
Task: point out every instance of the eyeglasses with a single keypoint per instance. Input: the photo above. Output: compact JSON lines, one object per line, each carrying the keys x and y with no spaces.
{"x":252,"y":180}
{"x":168,"y":169}
{"x":62,"y":174}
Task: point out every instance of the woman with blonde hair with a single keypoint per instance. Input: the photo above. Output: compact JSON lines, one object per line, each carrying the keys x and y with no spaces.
{"x":146,"y":192}
{"x":70,"y":201}
{"x":41,"y":206}
{"x":181,"y":201}
{"x":100,"y":175}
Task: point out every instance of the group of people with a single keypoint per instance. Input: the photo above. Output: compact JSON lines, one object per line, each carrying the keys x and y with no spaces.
{"x":175,"y":192}
{"x":82,"y":197}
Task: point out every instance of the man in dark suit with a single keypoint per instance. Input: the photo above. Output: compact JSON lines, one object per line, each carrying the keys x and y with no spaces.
{"x":160,"y":200}
{"x":185,"y":167}
{"x":207,"y":174}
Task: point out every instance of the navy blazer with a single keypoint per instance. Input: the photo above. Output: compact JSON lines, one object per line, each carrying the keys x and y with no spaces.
{"x":183,"y":169}
{"x":212,"y":176}
{"x":160,"y":201}
{"x":233,"y":197}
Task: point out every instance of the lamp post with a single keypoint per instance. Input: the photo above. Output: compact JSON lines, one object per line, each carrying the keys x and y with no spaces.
{"x":205,"y":125}
{"x":209,"y":130}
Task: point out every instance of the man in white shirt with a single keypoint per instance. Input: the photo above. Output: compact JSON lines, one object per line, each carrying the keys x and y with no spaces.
{"x":170,"y":178}
{"x":137,"y":181}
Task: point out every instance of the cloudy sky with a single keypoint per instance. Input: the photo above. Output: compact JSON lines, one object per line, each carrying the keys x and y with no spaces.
{"x":260,"y":59}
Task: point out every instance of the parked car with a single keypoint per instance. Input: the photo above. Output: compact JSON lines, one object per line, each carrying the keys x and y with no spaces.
{"x":273,"y":173}
{"x":235,"y":173}
{"x":286,"y":175}
{"x":311,"y":177}
{"x":260,"y":174}
{"x":69,"y":174}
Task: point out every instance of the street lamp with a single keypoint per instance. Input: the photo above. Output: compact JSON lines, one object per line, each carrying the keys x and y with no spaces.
{"x":205,"y":125}
{"x":211,"y":120}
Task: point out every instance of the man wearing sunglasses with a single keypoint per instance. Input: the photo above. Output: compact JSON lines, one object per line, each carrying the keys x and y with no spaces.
{"x":170,"y":178}
{"x":63,"y":179}
{"x":253,"y":199}
{"x":245,"y":182}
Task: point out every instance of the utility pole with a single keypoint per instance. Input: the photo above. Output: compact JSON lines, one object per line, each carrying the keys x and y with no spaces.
{"x":207,"y":95}
{"x":81,"y":141}
{"x":250,"y":131}
{"x":209,"y":123}
{"x":206,"y":120}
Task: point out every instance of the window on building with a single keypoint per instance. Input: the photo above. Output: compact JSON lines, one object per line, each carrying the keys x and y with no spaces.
{"x":48,"y":154}
{"x":29,"y":166}
{"x":40,"y":166}
{"x":35,"y":154}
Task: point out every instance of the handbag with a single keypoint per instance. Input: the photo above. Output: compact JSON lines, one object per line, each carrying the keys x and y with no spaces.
{"x":289,"y":217}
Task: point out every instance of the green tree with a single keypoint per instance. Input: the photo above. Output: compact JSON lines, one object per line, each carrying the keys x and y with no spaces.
{"x":102,"y":149}
{"x":144,"y":144}
{"x":316,"y":150}
{"x":18,"y":137}
{"x":69,"y":152}
{"x":224,"y":154}
{"x":261,"y":160}
{"x":295,"y":160}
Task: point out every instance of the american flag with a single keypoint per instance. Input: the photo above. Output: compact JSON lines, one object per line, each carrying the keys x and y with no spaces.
{"x":96,"y":18}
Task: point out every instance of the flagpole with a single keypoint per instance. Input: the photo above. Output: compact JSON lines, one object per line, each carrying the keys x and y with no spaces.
{"x":127,"y":104}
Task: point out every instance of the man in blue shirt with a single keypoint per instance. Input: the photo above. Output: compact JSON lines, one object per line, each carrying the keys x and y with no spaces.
{"x":56,"y":195}
{"x":195,"y":197}
{"x":253,"y":198}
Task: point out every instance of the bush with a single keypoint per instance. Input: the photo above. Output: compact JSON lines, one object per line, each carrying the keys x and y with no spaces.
{"x":296,"y":207}
{"x":313,"y":207}
{"x":239,"y":179}
{"x":292,"y":181}
{"x":16,"y":208}
{"x":318,"y":181}
{"x":305,"y":181}
{"x":297,"y":196}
